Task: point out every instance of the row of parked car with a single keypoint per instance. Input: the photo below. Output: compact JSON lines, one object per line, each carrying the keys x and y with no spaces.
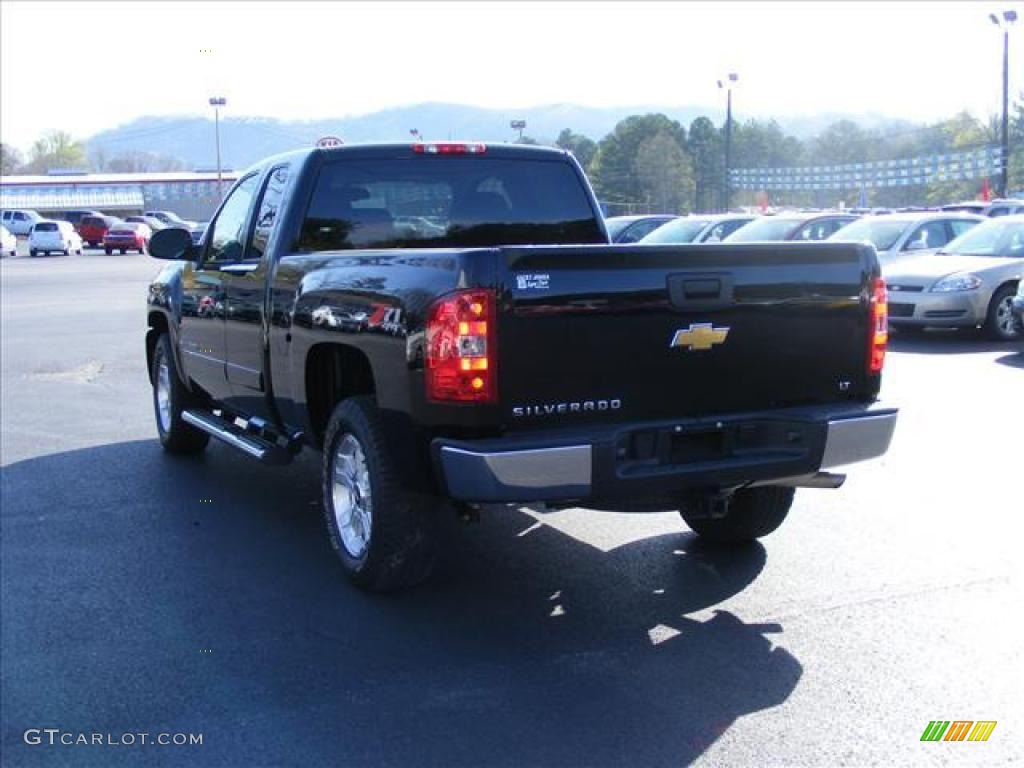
{"x":944,"y":268}
{"x":74,"y":229}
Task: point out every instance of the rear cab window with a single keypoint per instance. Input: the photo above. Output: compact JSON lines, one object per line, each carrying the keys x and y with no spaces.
{"x":447,"y":202}
{"x":46,"y":226}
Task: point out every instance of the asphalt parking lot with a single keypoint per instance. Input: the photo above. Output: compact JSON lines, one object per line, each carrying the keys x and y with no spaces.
{"x":149,"y":593}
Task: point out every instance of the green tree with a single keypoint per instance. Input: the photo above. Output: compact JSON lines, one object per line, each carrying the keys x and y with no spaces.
{"x":758,"y":144}
{"x":613,"y":169}
{"x":1016,"y":140}
{"x":55,"y":149}
{"x":10,"y":159}
{"x":706,"y":152}
{"x":582,"y":147}
{"x":133,"y":161}
{"x":665,"y":174}
{"x":960,"y":132}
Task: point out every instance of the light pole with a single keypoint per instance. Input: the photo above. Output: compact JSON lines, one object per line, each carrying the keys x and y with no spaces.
{"x":415,"y":133}
{"x":217,"y":102}
{"x":518,"y":125}
{"x":727,"y":85}
{"x":1008,"y":18}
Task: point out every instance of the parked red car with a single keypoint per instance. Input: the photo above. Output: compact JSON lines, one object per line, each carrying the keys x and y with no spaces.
{"x":92,"y":229}
{"x":127,"y":236}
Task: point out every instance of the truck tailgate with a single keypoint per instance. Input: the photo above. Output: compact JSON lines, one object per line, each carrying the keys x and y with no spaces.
{"x":599,"y":334}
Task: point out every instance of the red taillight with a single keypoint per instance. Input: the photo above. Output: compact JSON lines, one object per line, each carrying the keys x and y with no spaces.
{"x":461,"y":360}
{"x":878,"y":338}
{"x":450,"y":148}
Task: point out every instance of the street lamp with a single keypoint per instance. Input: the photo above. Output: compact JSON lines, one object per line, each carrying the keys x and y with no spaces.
{"x":518,"y":125}
{"x":1008,"y":18}
{"x":415,"y":133}
{"x":727,"y":85}
{"x":217,"y":102}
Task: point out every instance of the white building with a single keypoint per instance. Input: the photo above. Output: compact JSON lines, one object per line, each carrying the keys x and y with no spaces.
{"x":190,"y":194}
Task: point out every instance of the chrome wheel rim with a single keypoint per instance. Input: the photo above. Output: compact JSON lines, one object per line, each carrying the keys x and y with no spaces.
{"x":163,"y":395}
{"x":1004,"y":318}
{"x":351,"y":496}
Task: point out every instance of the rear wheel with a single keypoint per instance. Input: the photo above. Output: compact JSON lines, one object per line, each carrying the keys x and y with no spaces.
{"x":999,"y":323}
{"x":384,"y":535}
{"x":752,"y":513}
{"x":170,"y":398}
{"x":32,"y":252}
{"x":122,"y":251}
{"x":108,"y":251}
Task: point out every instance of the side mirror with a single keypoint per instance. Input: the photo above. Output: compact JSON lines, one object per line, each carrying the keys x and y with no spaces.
{"x":171,"y":243}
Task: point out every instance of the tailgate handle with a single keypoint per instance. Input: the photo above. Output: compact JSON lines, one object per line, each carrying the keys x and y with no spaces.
{"x":704,"y":291}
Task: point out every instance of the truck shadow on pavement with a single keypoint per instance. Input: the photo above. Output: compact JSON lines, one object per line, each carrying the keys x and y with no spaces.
{"x":962,"y":342}
{"x":148,"y":593}
{"x":1013,"y":360}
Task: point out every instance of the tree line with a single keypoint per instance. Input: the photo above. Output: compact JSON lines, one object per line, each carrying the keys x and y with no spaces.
{"x":57,"y":150}
{"x":653,"y":163}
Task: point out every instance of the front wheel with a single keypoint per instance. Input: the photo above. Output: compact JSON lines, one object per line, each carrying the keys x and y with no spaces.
{"x":384,"y":535}
{"x":108,"y":251}
{"x":752,"y":513}
{"x":170,"y":398}
{"x":999,"y":322}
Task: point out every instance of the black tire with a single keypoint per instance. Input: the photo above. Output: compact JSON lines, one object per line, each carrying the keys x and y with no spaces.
{"x":122,"y":251}
{"x":1000,"y":326}
{"x":401,"y":545}
{"x":32,"y":252}
{"x":176,"y":436}
{"x":753,"y":513}
{"x":108,"y":251}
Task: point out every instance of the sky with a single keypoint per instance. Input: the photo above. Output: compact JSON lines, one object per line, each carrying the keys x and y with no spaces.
{"x":83,"y":66}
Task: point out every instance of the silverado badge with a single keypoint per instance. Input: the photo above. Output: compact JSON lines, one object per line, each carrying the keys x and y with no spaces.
{"x":699,"y":336}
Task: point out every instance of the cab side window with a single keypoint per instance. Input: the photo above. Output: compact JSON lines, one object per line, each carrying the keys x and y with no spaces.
{"x":270,"y":204}
{"x":930,"y":235}
{"x":227,"y":236}
{"x":959,"y":226}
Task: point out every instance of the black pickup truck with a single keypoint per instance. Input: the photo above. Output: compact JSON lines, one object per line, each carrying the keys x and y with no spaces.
{"x":448,"y":324}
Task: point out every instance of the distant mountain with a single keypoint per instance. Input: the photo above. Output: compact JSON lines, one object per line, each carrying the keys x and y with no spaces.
{"x":244,"y":140}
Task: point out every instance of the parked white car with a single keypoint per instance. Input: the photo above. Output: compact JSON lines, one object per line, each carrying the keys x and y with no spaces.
{"x":903,"y":235}
{"x":19,"y":222}
{"x":8,"y":242}
{"x":48,"y":236}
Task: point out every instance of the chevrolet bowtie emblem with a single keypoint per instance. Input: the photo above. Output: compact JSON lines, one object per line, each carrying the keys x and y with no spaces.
{"x":699,"y":336}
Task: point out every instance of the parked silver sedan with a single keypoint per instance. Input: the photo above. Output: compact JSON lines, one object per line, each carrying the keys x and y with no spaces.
{"x":969,"y":283}
{"x":904,"y":235}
